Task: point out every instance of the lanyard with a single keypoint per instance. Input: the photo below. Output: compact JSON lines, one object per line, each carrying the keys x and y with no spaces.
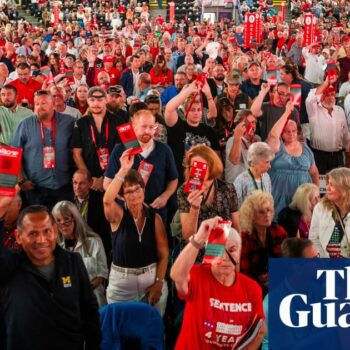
{"x":93,"y":134}
{"x":84,"y":208}
{"x":53,"y":131}
{"x":254,"y":182}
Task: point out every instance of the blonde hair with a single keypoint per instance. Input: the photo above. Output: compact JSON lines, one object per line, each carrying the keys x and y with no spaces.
{"x":341,"y":179}
{"x":302,"y":199}
{"x":251,"y":204}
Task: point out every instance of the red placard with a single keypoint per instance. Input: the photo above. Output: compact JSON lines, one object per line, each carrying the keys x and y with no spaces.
{"x":128,"y":137}
{"x":171,"y":11}
{"x":196,"y":177}
{"x":272,"y":76}
{"x":249,"y":28}
{"x":295,"y":94}
{"x":56,"y":13}
{"x":10,"y":164}
{"x":308,"y":29}
{"x":283,"y":11}
{"x":215,"y":248}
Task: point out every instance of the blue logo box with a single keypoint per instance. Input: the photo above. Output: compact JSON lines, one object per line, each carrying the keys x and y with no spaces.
{"x":309,"y":304}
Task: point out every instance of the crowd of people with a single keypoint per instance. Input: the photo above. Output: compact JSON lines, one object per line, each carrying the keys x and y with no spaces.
{"x":95,"y":223}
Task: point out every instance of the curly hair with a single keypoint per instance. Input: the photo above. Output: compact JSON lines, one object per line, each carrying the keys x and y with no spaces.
{"x":250,"y":205}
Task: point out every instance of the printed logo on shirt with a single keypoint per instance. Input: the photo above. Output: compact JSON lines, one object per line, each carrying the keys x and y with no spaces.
{"x":66,"y":282}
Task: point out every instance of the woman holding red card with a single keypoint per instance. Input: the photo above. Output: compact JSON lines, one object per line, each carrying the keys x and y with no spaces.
{"x":212,"y":291}
{"x":294,"y":162}
{"x":139,"y":241}
{"x":213,"y":198}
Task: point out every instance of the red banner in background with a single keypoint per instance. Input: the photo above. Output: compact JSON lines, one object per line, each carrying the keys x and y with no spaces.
{"x":171,"y":11}
{"x":283,"y":11}
{"x":308,"y":29}
{"x":56,"y":13}
{"x":258,"y":27}
{"x":249,"y":28}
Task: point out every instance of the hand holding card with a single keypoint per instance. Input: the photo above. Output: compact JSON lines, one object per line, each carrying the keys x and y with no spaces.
{"x":128,"y":137}
{"x":196,"y":177}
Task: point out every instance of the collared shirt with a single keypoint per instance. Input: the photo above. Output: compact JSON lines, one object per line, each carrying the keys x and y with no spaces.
{"x":9,"y":121}
{"x":28,"y":137}
{"x":329,"y":133}
{"x":314,"y":71}
{"x":135,"y":78}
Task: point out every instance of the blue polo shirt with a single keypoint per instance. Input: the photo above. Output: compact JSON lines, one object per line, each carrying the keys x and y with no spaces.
{"x":164,"y":168}
{"x":28,"y":137}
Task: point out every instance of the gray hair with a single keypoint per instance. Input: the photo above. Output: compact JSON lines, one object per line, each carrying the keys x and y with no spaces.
{"x":258,"y":152}
{"x":233,"y":235}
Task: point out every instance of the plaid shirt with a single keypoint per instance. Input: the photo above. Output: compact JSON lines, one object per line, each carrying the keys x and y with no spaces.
{"x":254,"y":256}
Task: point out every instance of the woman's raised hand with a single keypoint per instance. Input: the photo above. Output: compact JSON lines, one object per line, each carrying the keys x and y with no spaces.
{"x":127,"y":159}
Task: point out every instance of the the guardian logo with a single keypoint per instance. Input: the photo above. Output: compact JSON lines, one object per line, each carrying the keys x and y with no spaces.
{"x":327,"y":309}
{"x":308,"y":304}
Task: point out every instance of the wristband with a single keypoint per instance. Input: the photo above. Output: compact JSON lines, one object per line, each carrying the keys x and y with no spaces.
{"x":161,"y":280}
{"x":121,"y":179}
{"x":196,"y":244}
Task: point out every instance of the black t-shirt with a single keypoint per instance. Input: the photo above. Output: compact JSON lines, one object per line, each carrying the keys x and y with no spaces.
{"x":181,"y":137}
{"x":83,"y":138}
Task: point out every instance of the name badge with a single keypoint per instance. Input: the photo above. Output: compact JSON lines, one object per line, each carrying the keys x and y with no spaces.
{"x":103,"y":157}
{"x":49,"y":157}
{"x":145,"y":170}
{"x":242,"y":106}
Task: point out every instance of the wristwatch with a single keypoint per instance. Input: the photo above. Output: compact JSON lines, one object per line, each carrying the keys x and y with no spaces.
{"x":196,"y":244}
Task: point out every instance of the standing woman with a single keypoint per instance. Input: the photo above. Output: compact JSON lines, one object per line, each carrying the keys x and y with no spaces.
{"x":54,"y":63}
{"x":330,"y":223}
{"x":216,"y":198}
{"x":75,"y":235}
{"x":139,"y":241}
{"x":294,"y":162}
{"x":259,"y":157}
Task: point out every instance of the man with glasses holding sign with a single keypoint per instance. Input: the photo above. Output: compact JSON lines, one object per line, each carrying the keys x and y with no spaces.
{"x":269,"y":112}
{"x":47,"y":162}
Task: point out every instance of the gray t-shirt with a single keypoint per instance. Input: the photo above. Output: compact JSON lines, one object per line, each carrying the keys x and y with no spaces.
{"x":47,"y":271}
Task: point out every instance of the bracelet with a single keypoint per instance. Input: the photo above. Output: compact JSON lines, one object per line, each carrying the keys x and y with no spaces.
{"x":121,"y":179}
{"x":195,"y":243}
{"x":20,"y":183}
{"x":210,"y":98}
{"x":196,"y":207}
{"x":161,"y":280}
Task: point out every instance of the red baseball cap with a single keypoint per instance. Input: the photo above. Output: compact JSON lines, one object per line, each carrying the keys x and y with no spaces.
{"x":107,"y":59}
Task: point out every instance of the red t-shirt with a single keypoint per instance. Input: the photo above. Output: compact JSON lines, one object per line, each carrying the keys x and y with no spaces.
{"x":161,"y":78}
{"x":114,"y":75}
{"x":216,"y":315}
{"x":26,"y":91}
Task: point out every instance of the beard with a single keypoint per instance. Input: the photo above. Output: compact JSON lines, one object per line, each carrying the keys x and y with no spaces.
{"x":220,"y":78}
{"x":9,"y":104}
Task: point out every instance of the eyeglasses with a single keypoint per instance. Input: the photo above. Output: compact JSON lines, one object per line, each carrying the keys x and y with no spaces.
{"x":134,"y":191}
{"x":66,"y":223}
{"x":152,"y":99}
{"x":264,"y":212}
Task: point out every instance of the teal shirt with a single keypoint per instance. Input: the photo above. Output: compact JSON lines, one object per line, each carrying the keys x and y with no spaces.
{"x":9,"y":121}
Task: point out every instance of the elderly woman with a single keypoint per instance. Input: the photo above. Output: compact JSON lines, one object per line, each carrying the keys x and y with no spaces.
{"x":255,"y":177}
{"x":261,"y":239}
{"x":330,"y":224}
{"x":75,"y":235}
{"x":296,"y":218}
{"x":215,"y":198}
{"x":206,"y":287}
{"x":139,"y":241}
{"x":294,"y":162}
